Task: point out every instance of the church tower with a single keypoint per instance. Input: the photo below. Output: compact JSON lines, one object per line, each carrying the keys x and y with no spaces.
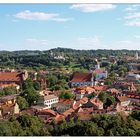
{"x":137,"y":56}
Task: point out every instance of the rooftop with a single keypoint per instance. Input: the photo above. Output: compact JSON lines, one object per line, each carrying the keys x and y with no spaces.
{"x":8,"y":97}
{"x":10,"y":76}
{"x":66,"y":101}
{"x":122,"y":98}
{"x":100,"y":71}
{"x":81,"y":77}
{"x":49,"y":97}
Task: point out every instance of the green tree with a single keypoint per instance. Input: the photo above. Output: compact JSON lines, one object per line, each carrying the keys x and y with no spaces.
{"x":108,"y":82}
{"x":27,"y":84}
{"x":66,"y":95}
{"x":138,"y":89}
{"x":36,"y":85}
{"x":30,"y":95}
{"x":5,"y":129}
{"x":109,"y":101}
{"x":136,"y":114}
{"x":21,"y":101}
{"x":102,"y":96}
{"x":51,"y":80}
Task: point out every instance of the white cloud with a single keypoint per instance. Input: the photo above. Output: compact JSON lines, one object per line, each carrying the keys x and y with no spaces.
{"x":137,"y":36}
{"x":135,"y":5}
{"x":133,"y":23}
{"x":135,"y":15}
{"x":132,"y":19}
{"x":92,"y":7}
{"x":130,"y":9}
{"x":28,"y":15}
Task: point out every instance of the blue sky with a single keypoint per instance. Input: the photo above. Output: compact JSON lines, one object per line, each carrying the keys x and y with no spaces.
{"x":79,"y":26}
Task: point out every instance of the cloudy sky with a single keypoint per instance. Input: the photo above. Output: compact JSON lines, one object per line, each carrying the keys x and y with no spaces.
{"x":79,"y":26}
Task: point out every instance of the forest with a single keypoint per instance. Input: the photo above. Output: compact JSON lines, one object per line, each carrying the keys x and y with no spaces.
{"x":99,"y":125}
{"x":47,"y":59}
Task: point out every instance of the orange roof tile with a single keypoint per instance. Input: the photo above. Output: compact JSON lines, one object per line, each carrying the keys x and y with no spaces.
{"x":77,"y":105}
{"x":83,"y":100}
{"x":10,"y":76}
{"x":122,"y":98}
{"x":48,"y":111}
{"x":84,"y":116}
{"x":81,"y":77}
{"x":68,"y":112}
{"x":100,"y":88}
{"x":100,"y":71}
{"x":113,"y":90}
{"x":66,"y":101}
{"x":8,"y":85}
{"x":96,"y":101}
{"x":59,"y":118}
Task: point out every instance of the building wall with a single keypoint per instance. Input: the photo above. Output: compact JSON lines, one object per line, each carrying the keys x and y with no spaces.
{"x":16,"y":109}
{"x":79,"y":96}
{"x":50,"y":102}
{"x":101,"y":75}
{"x":0,"y":113}
{"x":126,"y":103}
{"x":77,"y":84}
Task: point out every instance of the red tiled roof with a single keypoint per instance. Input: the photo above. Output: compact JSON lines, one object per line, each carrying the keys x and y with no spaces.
{"x":99,"y":71}
{"x":59,"y":118}
{"x":100,"y":88}
{"x":83,"y":100}
{"x":96,"y":101}
{"x":122,"y":98}
{"x":8,"y":97}
{"x":68,"y":112}
{"x":79,"y":109}
{"x":84,"y":116}
{"x":113,"y":90}
{"x":10,"y":76}
{"x":82,"y":77}
{"x":48,"y":111}
{"x":84,"y":89}
{"x":77,"y":105}
{"x":8,"y":85}
{"x":66,"y":101}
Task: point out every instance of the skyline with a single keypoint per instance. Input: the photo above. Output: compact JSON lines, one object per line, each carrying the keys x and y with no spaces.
{"x":76,"y":26}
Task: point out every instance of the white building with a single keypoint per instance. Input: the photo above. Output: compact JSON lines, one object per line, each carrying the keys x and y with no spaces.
{"x":136,"y":56}
{"x":48,"y":100}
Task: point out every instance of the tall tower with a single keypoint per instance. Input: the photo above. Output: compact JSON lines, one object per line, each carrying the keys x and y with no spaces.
{"x":97,"y":66}
{"x":137,"y":56}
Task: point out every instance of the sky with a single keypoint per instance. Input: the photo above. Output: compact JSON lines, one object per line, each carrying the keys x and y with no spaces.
{"x":77,"y":26}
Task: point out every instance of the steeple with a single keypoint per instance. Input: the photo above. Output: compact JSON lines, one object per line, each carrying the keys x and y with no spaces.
{"x":137,"y":56}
